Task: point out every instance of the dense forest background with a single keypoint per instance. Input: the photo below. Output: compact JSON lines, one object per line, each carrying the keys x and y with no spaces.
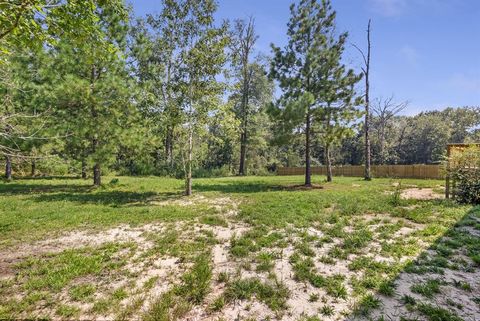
{"x":86,"y":88}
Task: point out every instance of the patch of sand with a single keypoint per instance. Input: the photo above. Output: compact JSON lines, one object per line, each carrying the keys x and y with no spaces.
{"x":420,"y":194}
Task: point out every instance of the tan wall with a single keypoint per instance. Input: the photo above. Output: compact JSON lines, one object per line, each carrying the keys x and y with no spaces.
{"x":399,"y":171}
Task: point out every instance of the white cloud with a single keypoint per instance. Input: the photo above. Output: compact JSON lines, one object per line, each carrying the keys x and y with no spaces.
{"x":410,"y":54}
{"x":388,"y":8}
{"x":465,"y":82}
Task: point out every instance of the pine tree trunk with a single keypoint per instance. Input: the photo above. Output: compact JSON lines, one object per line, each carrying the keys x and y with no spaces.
{"x":84,"y":169}
{"x":243,"y":138}
{"x":188,"y":170}
{"x":169,"y":146}
{"x":243,"y":152}
{"x":328,"y":162}
{"x":97,"y":180}
{"x":8,"y":168}
{"x":308,"y":176}
{"x":34,"y":168}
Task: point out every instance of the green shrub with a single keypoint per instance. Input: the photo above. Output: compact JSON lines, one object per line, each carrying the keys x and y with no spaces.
{"x":468,"y":186}
{"x":464,"y":169}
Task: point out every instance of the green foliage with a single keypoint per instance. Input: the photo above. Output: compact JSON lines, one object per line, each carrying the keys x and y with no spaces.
{"x":464,"y":168}
{"x":318,"y":91}
{"x":32,"y":23}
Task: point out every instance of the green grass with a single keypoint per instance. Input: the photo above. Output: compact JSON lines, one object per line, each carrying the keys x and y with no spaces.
{"x":428,"y":289}
{"x":82,"y":292}
{"x":31,"y":209}
{"x":273,"y":294}
{"x":279,"y":217}
{"x":54,"y":272}
{"x":433,"y":313}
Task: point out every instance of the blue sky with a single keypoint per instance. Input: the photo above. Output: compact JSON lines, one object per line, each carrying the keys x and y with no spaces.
{"x":423,"y":51}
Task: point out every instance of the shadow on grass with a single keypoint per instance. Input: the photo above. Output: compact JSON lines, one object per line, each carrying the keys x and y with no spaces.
{"x":247,"y":188}
{"x":83,"y":194}
{"x":26,"y":189}
{"x":112,"y":198}
{"x":49,"y":178}
{"x":456,"y":251}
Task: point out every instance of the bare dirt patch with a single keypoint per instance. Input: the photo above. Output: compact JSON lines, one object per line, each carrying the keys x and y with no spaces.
{"x":420,"y":194}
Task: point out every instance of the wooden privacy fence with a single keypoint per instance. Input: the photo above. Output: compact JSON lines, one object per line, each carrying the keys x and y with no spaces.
{"x":398,"y":171}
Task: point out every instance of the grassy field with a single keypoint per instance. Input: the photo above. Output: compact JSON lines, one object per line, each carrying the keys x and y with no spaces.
{"x":250,"y":248}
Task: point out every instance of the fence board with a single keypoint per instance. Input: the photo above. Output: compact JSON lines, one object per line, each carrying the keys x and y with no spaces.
{"x":397,"y":171}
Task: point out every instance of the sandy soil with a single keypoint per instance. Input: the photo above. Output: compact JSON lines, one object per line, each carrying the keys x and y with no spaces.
{"x":166,"y":270}
{"x":421,"y":194}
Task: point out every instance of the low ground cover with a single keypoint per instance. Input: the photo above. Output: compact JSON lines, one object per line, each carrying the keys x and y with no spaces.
{"x":240,"y":248}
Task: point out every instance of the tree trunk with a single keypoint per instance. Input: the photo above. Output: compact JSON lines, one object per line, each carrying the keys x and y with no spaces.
{"x":34,"y":168}
{"x":97,"y":178}
{"x":328,"y":162}
{"x":308,"y":176}
{"x":169,"y":146}
{"x":8,"y":168}
{"x":367,"y":110}
{"x":84,"y":169}
{"x":188,"y":170}
{"x":243,"y":151}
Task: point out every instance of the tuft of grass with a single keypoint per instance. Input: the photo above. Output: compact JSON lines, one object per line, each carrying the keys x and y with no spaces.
{"x":274,"y":294}
{"x":395,"y":198}
{"x":218,"y":304}
{"x":313,"y":297}
{"x":175,"y":303}
{"x":335,"y":287}
{"x":327,"y":260}
{"x":433,"y":313}
{"x":223,"y":277}
{"x":305,"y":249}
{"x":387,"y":288}
{"x":67,"y":311}
{"x":428,"y":289}
{"x":408,"y":300}
{"x":166,"y":308}
{"x":150,"y":283}
{"x":356,"y":241}
{"x":213,"y":220}
{"x":82,"y":292}
{"x":196,"y":283}
{"x":327,"y":310}
{"x":265,"y":262}
{"x":366,"y":305}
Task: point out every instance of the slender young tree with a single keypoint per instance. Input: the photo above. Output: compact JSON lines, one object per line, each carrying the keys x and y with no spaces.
{"x":311,"y":76}
{"x":201,"y":52}
{"x":243,"y":41}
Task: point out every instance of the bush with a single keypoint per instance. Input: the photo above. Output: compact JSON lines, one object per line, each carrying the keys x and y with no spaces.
{"x":468,"y":186}
{"x":464,"y":169}
{"x":211,"y":172}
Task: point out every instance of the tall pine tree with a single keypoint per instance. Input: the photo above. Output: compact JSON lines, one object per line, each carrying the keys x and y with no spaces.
{"x":311,"y":76}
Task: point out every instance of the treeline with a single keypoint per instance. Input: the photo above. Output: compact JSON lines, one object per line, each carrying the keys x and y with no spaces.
{"x":87,"y":88}
{"x":418,"y":139}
